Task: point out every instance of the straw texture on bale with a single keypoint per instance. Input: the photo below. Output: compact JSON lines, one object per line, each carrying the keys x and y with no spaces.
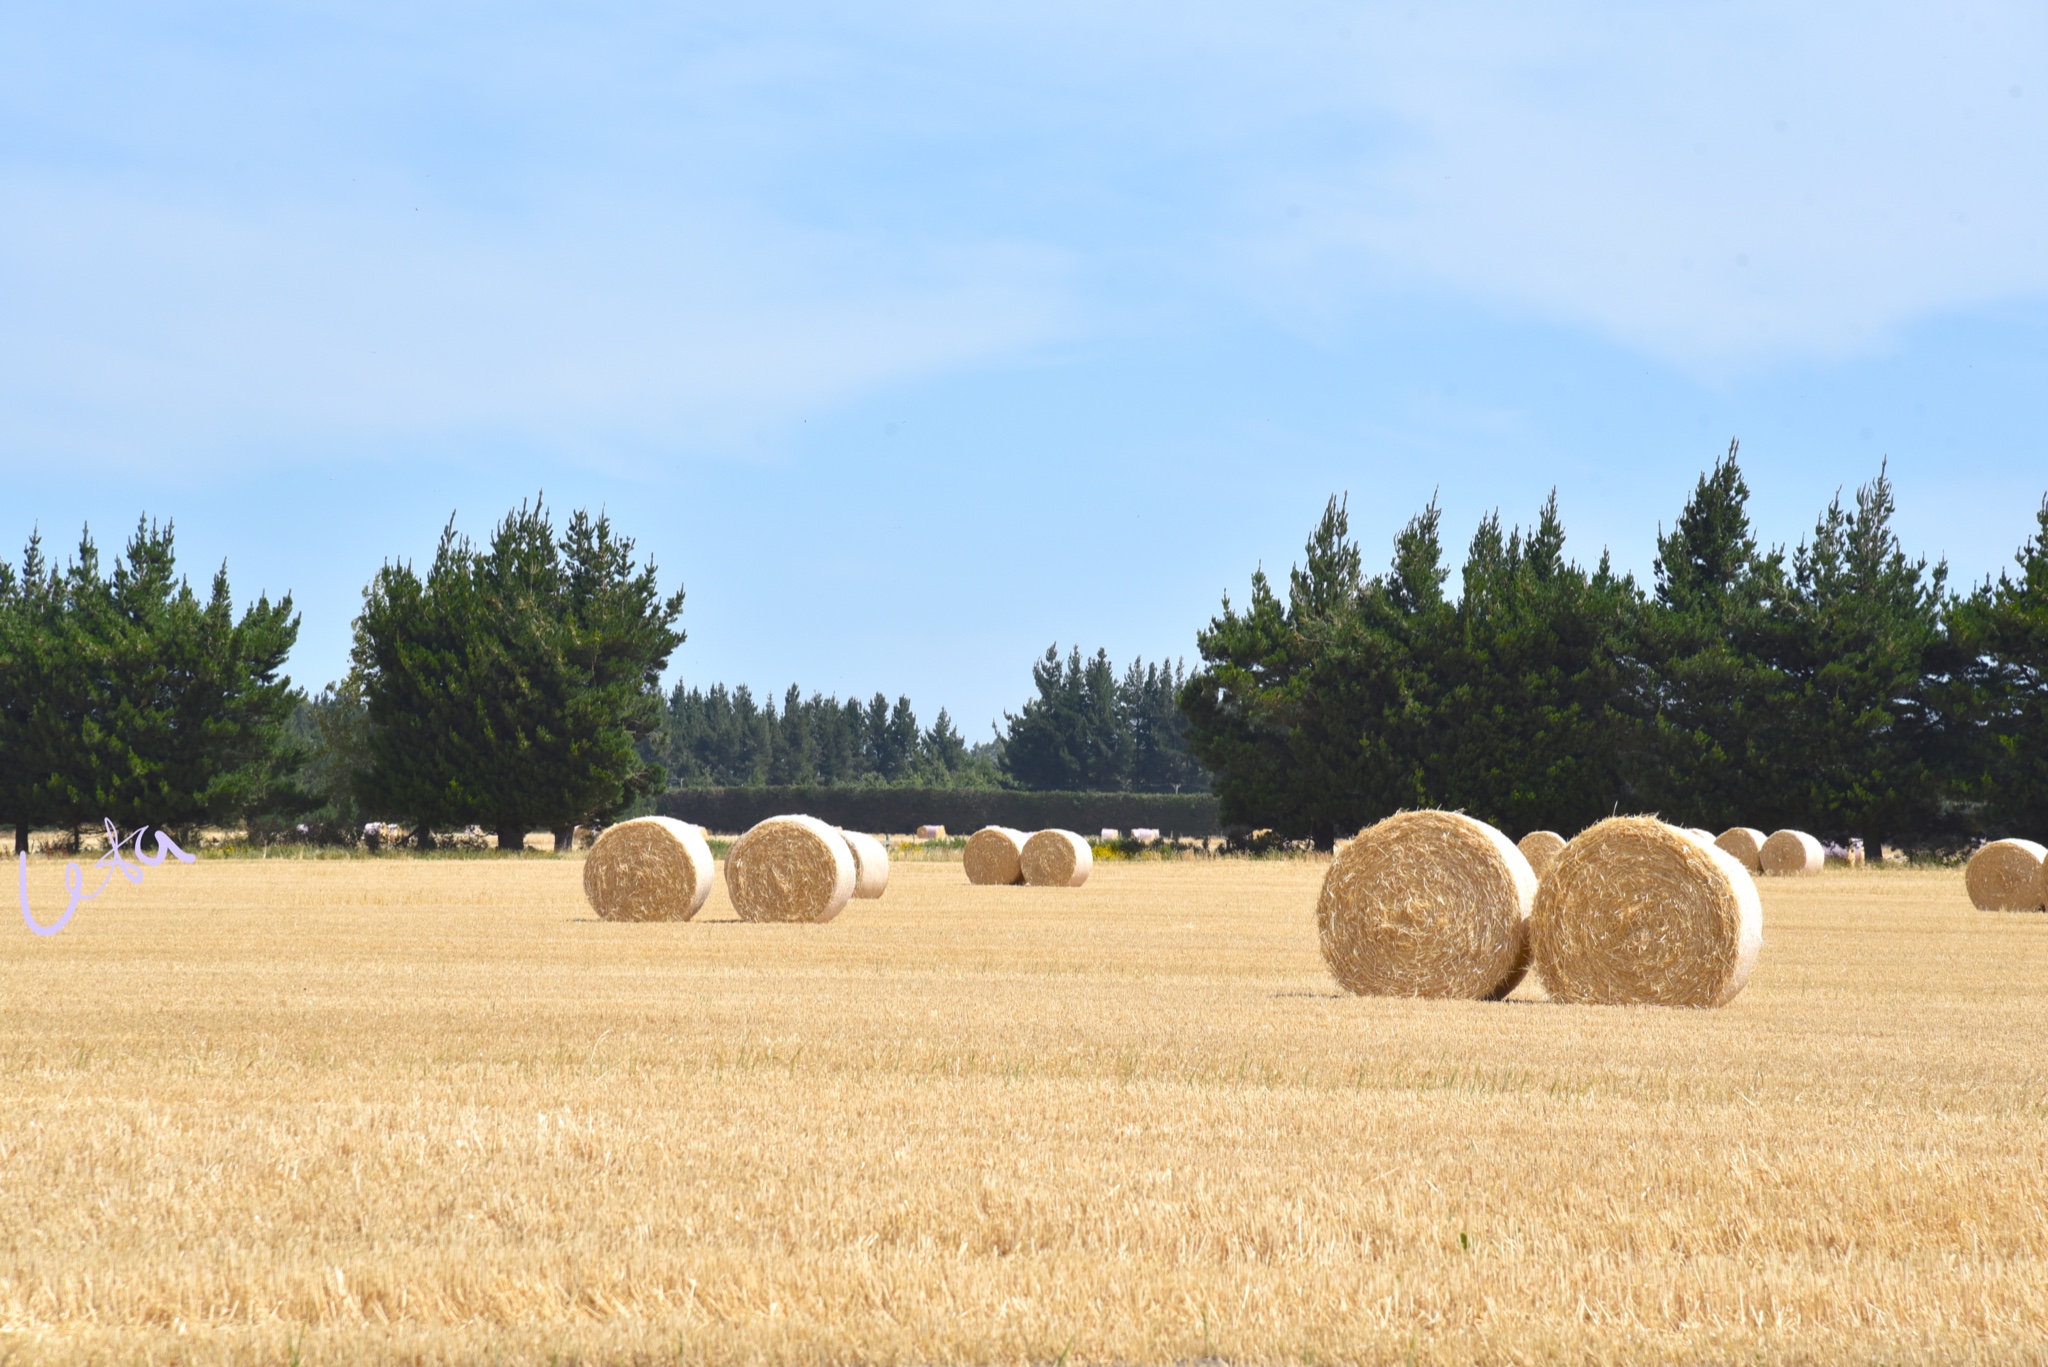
{"x":1746,"y":844}
{"x":1057,"y":859}
{"x":2006,"y":875}
{"x":1640,"y":913}
{"x":1541,"y":849}
{"x":994,"y":854}
{"x":870,"y":863}
{"x":1427,"y":904}
{"x":789,"y":868}
{"x":1792,"y":853}
{"x":1699,"y":833}
{"x":652,"y":868}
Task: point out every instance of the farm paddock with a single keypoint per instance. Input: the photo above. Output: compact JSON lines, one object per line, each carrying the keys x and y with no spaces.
{"x":435,"y":1111}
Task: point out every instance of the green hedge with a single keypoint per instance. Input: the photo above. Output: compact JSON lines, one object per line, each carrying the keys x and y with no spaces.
{"x":960,"y":810}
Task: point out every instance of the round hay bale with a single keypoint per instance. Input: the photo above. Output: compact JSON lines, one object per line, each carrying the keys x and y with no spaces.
{"x":1699,"y":833}
{"x":1056,"y":859}
{"x":789,"y":868}
{"x":1791,"y":853}
{"x":1636,"y":912}
{"x":2006,"y":875}
{"x":652,"y":868}
{"x":1746,"y":844}
{"x":1427,"y":904}
{"x":1541,"y":849}
{"x":994,"y":854}
{"x":870,"y":863}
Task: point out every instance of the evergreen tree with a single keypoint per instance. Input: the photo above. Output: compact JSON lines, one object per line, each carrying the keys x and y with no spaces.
{"x":127,"y":697}
{"x":510,"y":685}
{"x":1709,"y":682}
{"x":1853,"y":730}
{"x":2002,"y":632}
{"x":1526,"y":682}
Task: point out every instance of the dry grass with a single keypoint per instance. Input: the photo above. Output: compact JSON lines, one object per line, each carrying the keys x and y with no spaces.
{"x":336,"y":1111}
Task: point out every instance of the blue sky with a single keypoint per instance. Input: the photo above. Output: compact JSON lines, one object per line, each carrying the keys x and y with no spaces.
{"x":914,"y":338}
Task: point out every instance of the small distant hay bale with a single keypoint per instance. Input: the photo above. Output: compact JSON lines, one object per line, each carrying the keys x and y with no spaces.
{"x":1790,"y":853}
{"x":870,"y":863}
{"x":1110,"y":835}
{"x":1056,"y":859}
{"x":1636,"y":912}
{"x":652,"y":868}
{"x":2006,"y":875}
{"x":994,"y":854}
{"x":790,"y":868}
{"x":1427,"y":904}
{"x":931,"y":832}
{"x":1541,"y":849}
{"x":1145,"y":835}
{"x":1745,"y":844}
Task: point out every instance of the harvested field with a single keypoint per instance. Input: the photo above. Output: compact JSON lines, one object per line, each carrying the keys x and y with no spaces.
{"x":343,"y":1110}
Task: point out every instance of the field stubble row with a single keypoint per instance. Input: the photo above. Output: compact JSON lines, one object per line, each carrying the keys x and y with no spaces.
{"x":433,"y":1110}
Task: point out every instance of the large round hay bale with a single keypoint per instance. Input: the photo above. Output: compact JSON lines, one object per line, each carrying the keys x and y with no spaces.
{"x":994,"y":854}
{"x":1792,"y":853}
{"x":1427,"y":904}
{"x":870,"y":863}
{"x":652,"y":868}
{"x":789,"y":868}
{"x":1056,"y":859}
{"x":1640,"y":913}
{"x":1541,"y":849}
{"x":2006,"y":875}
{"x":1745,"y":844}
{"x":1699,"y":833}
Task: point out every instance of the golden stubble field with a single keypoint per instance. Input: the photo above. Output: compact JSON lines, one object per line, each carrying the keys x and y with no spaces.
{"x":431,"y":1110}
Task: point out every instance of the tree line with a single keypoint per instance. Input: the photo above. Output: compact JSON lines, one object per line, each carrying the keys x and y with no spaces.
{"x":1841,"y":687}
{"x":1089,"y":729}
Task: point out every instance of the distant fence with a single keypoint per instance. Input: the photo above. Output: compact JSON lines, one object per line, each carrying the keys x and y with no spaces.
{"x":961,"y":811}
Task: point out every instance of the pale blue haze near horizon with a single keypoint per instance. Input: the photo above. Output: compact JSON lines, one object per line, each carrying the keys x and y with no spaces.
{"x":912,"y":339}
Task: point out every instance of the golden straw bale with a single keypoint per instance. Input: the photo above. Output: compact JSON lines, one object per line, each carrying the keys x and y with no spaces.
{"x":2006,"y":875}
{"x":789,"y":868}
{"x":1427,"y":904}
{"x":994,"y":854}
{"x":1793,"y":853}
{"x":1541,"y":849}
{"x":1699,"y":833}
{"x":870,"y":863}
{"x":1640,"y":913}
{"x":1056,"y":859}
{"x":652,"y":868}
{"x":1746,"y":843}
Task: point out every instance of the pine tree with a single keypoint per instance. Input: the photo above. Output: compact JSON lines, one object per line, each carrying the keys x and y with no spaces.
{"x":2001,"y":635}
{"x":1709,"y":682}
{"x":510,"y":686}
{"x":1853,"y":733}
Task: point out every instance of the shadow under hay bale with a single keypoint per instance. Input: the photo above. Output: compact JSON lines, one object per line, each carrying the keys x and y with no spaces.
{"x":790,"y":868}
{"x":1056,"y":859}
{"x":1427,"y":904}
{"x":652,"y":868}
{"x":1638,"y":913}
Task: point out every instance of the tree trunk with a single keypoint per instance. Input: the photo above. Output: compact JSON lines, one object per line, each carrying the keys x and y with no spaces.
{"x":21,"y":837}
{"x":511,"y":834}
{"x":1873,"y":850}
{"x":565,"y":839}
